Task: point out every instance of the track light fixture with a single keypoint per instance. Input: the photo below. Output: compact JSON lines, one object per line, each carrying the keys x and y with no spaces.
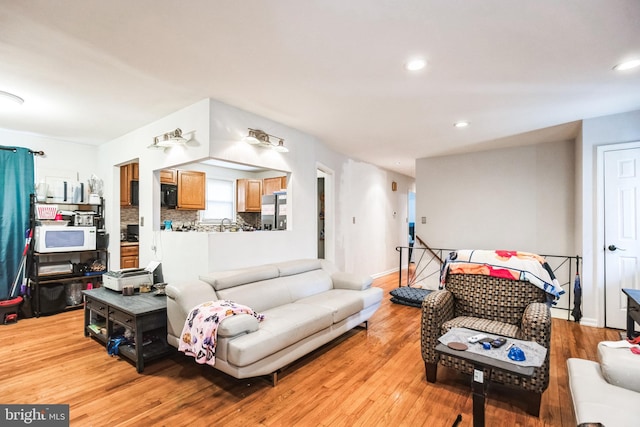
{"x":261,"y":138}
{"x":169,"y":139}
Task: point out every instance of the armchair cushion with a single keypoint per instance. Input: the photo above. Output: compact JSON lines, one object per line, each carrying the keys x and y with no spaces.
{"x":482,"y":325}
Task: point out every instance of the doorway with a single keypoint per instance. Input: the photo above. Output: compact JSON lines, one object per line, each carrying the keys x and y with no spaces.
{"x":325,"y":213}
{"x":621,"y":173}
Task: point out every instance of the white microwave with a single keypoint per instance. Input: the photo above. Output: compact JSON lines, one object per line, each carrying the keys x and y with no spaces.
{"x":60,"y":238}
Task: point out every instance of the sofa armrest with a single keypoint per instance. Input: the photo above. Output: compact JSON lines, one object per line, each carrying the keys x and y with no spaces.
{"x":437,"y":308}
{"x":536,"y":324}
{"x":189,"y":294}
{"x":620,"y":367}
{"x":356,"y":282}
{"x":239,"y":324}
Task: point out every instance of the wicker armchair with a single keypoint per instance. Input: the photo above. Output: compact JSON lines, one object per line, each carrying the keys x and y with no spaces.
{"x":511,"y":308}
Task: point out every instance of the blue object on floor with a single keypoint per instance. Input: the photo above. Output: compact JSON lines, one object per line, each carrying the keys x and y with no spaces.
{"x":407,"y":295}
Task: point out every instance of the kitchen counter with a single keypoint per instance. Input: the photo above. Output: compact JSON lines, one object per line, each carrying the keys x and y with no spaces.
{"x":122,"y":244}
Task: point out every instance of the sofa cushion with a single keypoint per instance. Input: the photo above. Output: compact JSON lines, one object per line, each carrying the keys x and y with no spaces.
{"x":595,"y":400}
{"x":290,"y":268}
{"x":228,"y":279}
{"x":620,"y":367}
{"x":306,"y":284}
{"x":282,"y":327}
{"x":341,"y":302}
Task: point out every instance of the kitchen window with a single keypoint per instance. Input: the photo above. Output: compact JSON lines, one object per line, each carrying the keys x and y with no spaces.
{"x":219,"y":201}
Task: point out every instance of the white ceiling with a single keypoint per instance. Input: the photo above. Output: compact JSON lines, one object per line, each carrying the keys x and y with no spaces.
{"x":93,"y":70}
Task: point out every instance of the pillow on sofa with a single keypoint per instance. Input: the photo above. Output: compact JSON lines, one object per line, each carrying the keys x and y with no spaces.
{"x":620,"y":367}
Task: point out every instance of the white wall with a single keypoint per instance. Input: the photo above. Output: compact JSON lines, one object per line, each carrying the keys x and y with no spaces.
{"x":518,"y":198}
{"x":362,"y":190}
{"x":372,"y":217}
{"x":597,"y":132}
{"x":62,"y":158}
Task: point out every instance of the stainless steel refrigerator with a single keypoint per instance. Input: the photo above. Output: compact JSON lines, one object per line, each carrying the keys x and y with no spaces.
{"x":274,"y":211}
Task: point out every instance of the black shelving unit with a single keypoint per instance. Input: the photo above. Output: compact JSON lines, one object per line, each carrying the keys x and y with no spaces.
{"x":50,"y":285}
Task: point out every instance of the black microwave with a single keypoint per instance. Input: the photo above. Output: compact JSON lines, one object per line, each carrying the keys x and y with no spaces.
{"x":169,"y":196}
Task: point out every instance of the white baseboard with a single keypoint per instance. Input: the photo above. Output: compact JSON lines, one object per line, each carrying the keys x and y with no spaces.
{"x":384,"y":273}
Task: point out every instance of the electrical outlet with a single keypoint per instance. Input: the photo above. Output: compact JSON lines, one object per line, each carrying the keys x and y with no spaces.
{"x":141,"y":221}
{"x":424,"y":219}
{"x":354,"y":219}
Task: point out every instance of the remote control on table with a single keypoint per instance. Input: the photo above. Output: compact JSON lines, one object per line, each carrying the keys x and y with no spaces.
{"x":474,"y":339}
{"x":498,"y":342}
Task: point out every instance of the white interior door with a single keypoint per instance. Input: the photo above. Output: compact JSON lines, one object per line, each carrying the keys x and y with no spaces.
{"x":622,"y":243}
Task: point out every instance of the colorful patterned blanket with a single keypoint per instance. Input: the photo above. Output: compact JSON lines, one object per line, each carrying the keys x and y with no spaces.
{"x":200,"y":332}
{"x":512,"y":265}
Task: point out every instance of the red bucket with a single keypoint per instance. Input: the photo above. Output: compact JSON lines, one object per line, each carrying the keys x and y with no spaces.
{"x":9,"y":310}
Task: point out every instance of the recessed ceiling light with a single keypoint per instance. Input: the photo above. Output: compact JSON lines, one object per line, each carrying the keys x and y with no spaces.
{"x":9,"y":98}
{"x":461,"y":124}
{"x":415,"y":64}
{"x":627,"y":65}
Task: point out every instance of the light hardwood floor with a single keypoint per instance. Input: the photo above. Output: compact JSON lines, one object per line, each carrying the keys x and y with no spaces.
{"x":365,"y":378}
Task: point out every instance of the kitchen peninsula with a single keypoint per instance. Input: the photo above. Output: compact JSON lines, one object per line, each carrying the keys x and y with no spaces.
{"x":221,"y":251}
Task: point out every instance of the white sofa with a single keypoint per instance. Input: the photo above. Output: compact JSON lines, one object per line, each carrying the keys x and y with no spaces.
{"x":607,"y":392}
{"x":306,"y":303}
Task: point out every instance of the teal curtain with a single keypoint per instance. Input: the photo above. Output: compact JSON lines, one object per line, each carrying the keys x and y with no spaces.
{"x":16,"y":186}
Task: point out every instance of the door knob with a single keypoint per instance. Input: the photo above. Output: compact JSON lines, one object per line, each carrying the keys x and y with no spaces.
{"x":614,"y":248}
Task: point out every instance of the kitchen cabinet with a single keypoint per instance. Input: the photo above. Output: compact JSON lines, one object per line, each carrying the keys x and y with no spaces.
{"x":125,"y":185}
{"x":134,"y":172}
{"x":191,"y":190}
{"x":249,"y":195}
{"x":128,"y":173}
{"x":169,"y":176}
{"x":271,"y":185}
{"x":129,"y":255}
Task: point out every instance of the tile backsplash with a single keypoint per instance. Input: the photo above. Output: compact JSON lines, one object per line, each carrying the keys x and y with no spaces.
{"x":131,"y":214}
{"x":128,"y":215}
{"x":179,"y":217}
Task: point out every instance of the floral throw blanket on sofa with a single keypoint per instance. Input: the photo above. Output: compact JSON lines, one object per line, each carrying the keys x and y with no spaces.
{"x":200,"y":332}
{"x":512,"y":265}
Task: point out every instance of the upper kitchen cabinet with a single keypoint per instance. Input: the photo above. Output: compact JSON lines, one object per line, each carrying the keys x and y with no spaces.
{"x":191,"y":190}
{"x":128,"y":191}
{"x":249,"y":195}
{"x":169,"y":176}
{"x":271,"y":185}
{"x":134,"y":171}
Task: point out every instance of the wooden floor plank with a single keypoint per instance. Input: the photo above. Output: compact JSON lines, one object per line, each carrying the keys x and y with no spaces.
{"x":368,"y":377}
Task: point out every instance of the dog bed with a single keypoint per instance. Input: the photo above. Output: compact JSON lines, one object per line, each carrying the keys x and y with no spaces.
{"x":407,"y":295}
